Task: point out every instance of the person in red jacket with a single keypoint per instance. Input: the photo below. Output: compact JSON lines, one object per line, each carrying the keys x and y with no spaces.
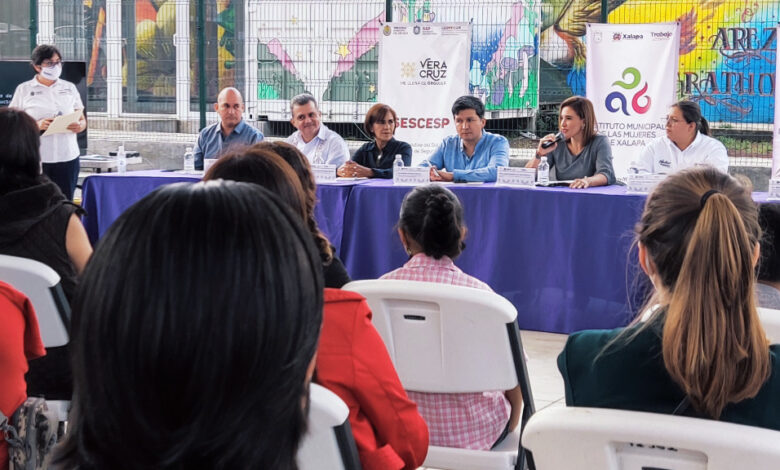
{"x":20,"y":340}
{"x":353,"y":363}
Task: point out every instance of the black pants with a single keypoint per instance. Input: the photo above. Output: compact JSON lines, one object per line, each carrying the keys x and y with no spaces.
{"x":64,"y":174}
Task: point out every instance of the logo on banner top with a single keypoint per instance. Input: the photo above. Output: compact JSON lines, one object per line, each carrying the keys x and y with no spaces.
{"x":619,"y":96}
{"x":416,"y":29}
{"x":387,"y":30}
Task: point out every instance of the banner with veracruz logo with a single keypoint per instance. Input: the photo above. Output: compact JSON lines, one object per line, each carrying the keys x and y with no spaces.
{"x":423,"y":68}
{"x":631,"y":78}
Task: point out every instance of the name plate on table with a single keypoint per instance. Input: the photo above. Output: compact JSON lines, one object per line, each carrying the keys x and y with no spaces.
{"x":642,"y":184}
{"x":514,"y":176}
{"x":411,"y":175}
{"x":324,"y":173}
{"x":774,"y":190}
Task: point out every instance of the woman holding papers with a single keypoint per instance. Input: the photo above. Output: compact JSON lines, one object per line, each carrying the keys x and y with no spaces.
{"x":46,"y":97}
{"x":703,"y":352}
{"x":375,"y":159}
{"x":432,"y":231}
{"x":577,"y":152}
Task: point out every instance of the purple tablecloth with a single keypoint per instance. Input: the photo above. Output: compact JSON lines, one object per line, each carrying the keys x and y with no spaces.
{"x":106,"y":196}
{"x":559,"y":255}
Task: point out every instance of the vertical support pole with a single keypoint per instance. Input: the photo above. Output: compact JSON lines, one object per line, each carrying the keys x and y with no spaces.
{"x":202,"y":63}
{"x":33,"y":24}
{"x":181,"y":41}
{"x":45,"y":21}
{"x":114,"y":57}
{"x":388,"y":11}
{"x":604,"y":12}
{"x":250,"y":33}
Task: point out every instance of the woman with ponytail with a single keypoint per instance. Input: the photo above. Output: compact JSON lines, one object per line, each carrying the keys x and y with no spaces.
{"x":432,"y":231}
{"x":687,"y":143}
{"x":702,"y":351}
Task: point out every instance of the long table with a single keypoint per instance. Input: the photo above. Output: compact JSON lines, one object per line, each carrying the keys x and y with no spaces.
{"x":561,"y":256}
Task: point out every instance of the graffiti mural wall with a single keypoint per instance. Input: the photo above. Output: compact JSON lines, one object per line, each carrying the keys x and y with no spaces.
{"x":329,"y":49}
{"x":727,"y":49}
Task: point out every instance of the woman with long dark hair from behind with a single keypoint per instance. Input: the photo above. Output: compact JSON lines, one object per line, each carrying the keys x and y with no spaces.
{"x":335,"y":273}
{"x":432,"y":230}
{"x":352,"y":360}
{"x":703,"y":351}
{"x":38,"y":222}
{"x":194,"y":334}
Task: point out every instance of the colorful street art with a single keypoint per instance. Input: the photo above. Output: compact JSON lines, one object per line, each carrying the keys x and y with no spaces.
{"x":727,"y":54}
{"x":311,"y":46}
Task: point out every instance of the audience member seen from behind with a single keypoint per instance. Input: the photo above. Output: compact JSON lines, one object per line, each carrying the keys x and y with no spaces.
{"x":351,"y":358}
{"x":266,"y":164}
{"x":38,"y":222}
{"x":432,"y":231}
{"x":321,"y":145}
{"x":687,"y":143}
{"x":582,"y":155}
{"x":20,"y":341}
{"x":704,"y":351}
{"x":375,"y":159}
{"x":473,"y":154}
{"x":768,"y":285}
{"x":229,"y":131}
{"x":172,"y":371}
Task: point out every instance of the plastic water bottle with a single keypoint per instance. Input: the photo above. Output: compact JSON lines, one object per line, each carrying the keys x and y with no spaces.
{"x":121,"y":160}
{"x":189,"y":161}
{"x":398,"y":163}
{"x":543,"y":172}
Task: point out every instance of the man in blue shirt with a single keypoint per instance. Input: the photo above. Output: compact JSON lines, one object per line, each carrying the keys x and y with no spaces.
{"x":231,"y":128}
{"x":473,"y":154}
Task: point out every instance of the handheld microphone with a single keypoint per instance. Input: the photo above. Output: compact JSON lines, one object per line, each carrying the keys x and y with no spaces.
{"x":550,"y":143}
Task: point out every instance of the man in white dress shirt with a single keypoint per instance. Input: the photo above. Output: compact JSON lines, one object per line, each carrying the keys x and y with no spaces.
{"x":687,"y":143}
{"x":320,"y":144}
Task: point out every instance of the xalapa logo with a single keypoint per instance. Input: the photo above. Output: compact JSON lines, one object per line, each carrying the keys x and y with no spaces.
{"x":638,"y":108}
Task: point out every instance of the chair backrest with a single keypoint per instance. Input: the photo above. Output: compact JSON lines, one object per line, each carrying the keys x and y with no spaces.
{"x":41,"y":284}
{"x":328,"y":442}
{"x":770,"y":320}
{"x":444,"y":338}
{"x":569,"y":437}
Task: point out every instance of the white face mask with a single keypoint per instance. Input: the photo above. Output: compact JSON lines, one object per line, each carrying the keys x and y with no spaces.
{"x":51,"y":73}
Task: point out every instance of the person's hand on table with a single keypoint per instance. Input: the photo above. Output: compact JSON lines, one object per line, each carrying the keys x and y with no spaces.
{"x":441,"y":175}
{"x":352,"y":169}
{"x":580,"y":183}
{"x":43,"y":124}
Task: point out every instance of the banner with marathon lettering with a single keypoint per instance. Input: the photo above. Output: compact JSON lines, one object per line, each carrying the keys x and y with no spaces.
{"x":423,"y":68}
{"x":631,"y":78}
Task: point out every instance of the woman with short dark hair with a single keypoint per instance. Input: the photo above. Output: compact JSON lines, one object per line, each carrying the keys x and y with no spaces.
{"x":45,"y":97}
{"x":194,"y":334}
{"x":375,"y":159}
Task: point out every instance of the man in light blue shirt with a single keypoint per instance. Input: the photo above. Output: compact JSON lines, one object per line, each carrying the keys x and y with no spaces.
{"x":231,"y":128}
{"x":473,"y":154}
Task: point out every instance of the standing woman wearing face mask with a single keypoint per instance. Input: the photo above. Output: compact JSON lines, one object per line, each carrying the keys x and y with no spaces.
{"x":45,"y":97}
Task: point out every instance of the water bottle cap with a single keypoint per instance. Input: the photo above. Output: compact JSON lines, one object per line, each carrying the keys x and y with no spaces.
{"x":189,"y":149}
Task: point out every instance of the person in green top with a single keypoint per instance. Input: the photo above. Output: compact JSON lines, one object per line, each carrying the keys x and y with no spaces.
{"x":702,"y":350}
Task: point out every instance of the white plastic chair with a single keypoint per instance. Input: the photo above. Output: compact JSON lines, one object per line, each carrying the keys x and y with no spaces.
{"x":595,"y":438}
{"x":328,"y":442}
{"x":770,"y":320}
{"x":452,"y":339}
{"x":41,"y":284}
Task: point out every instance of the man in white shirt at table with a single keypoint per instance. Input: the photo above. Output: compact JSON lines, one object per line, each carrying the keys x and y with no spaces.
{"x":320,"y":144}
{"x":687,"y":143}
